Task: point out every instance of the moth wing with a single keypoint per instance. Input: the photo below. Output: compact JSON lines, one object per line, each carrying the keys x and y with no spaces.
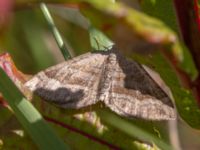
{"x":133,"y":93}
{"x":71,"y":84}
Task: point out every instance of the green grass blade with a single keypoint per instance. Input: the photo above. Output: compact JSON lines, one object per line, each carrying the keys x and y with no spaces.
{"x":132,"y":130}
{"x":29,"y":117}
{"x":55,"y":31}
{"x":98,"y":40}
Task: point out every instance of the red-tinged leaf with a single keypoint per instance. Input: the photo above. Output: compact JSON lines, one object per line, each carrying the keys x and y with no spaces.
{"x":7,"y":64}
{"x":197,"y":12}
{"x":2,"y":101}
{"x":188,"y":19}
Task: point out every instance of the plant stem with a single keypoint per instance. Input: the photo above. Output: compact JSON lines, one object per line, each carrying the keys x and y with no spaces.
{"x":55,"y":31}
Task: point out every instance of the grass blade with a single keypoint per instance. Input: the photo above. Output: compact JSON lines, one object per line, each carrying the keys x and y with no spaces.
{"x":55,"y":31}
{"x":98,"y":40}
{"x":29,"y":117}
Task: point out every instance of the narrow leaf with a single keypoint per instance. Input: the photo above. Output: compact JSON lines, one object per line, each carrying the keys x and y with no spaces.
{"x":55,"y":32}
{"x":29,"y":117}
{"x":98,"y":40}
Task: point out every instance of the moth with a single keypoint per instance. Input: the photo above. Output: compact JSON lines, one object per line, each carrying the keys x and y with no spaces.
{"x":122,"y":85}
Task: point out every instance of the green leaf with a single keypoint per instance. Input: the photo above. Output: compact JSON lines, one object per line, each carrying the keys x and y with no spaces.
{"x":29,"y":117}
{"x":164,"y":10}
{"x":186,"y":104}
{"x":98,"y":40}
{"x":149,"y":28}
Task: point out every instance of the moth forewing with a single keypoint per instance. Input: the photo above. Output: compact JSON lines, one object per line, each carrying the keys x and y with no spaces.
{"x":123,"y":85}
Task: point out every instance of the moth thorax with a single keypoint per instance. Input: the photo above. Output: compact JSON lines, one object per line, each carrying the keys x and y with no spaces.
{"x":105,"y":83}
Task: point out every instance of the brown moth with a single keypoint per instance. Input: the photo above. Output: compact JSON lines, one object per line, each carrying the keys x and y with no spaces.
{"x":123,"y":85}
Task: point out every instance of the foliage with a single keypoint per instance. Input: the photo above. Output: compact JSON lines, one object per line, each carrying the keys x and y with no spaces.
{"x":143,"y":31}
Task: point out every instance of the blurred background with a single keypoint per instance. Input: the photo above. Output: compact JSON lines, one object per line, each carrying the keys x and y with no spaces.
{"x":26,"y":36}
